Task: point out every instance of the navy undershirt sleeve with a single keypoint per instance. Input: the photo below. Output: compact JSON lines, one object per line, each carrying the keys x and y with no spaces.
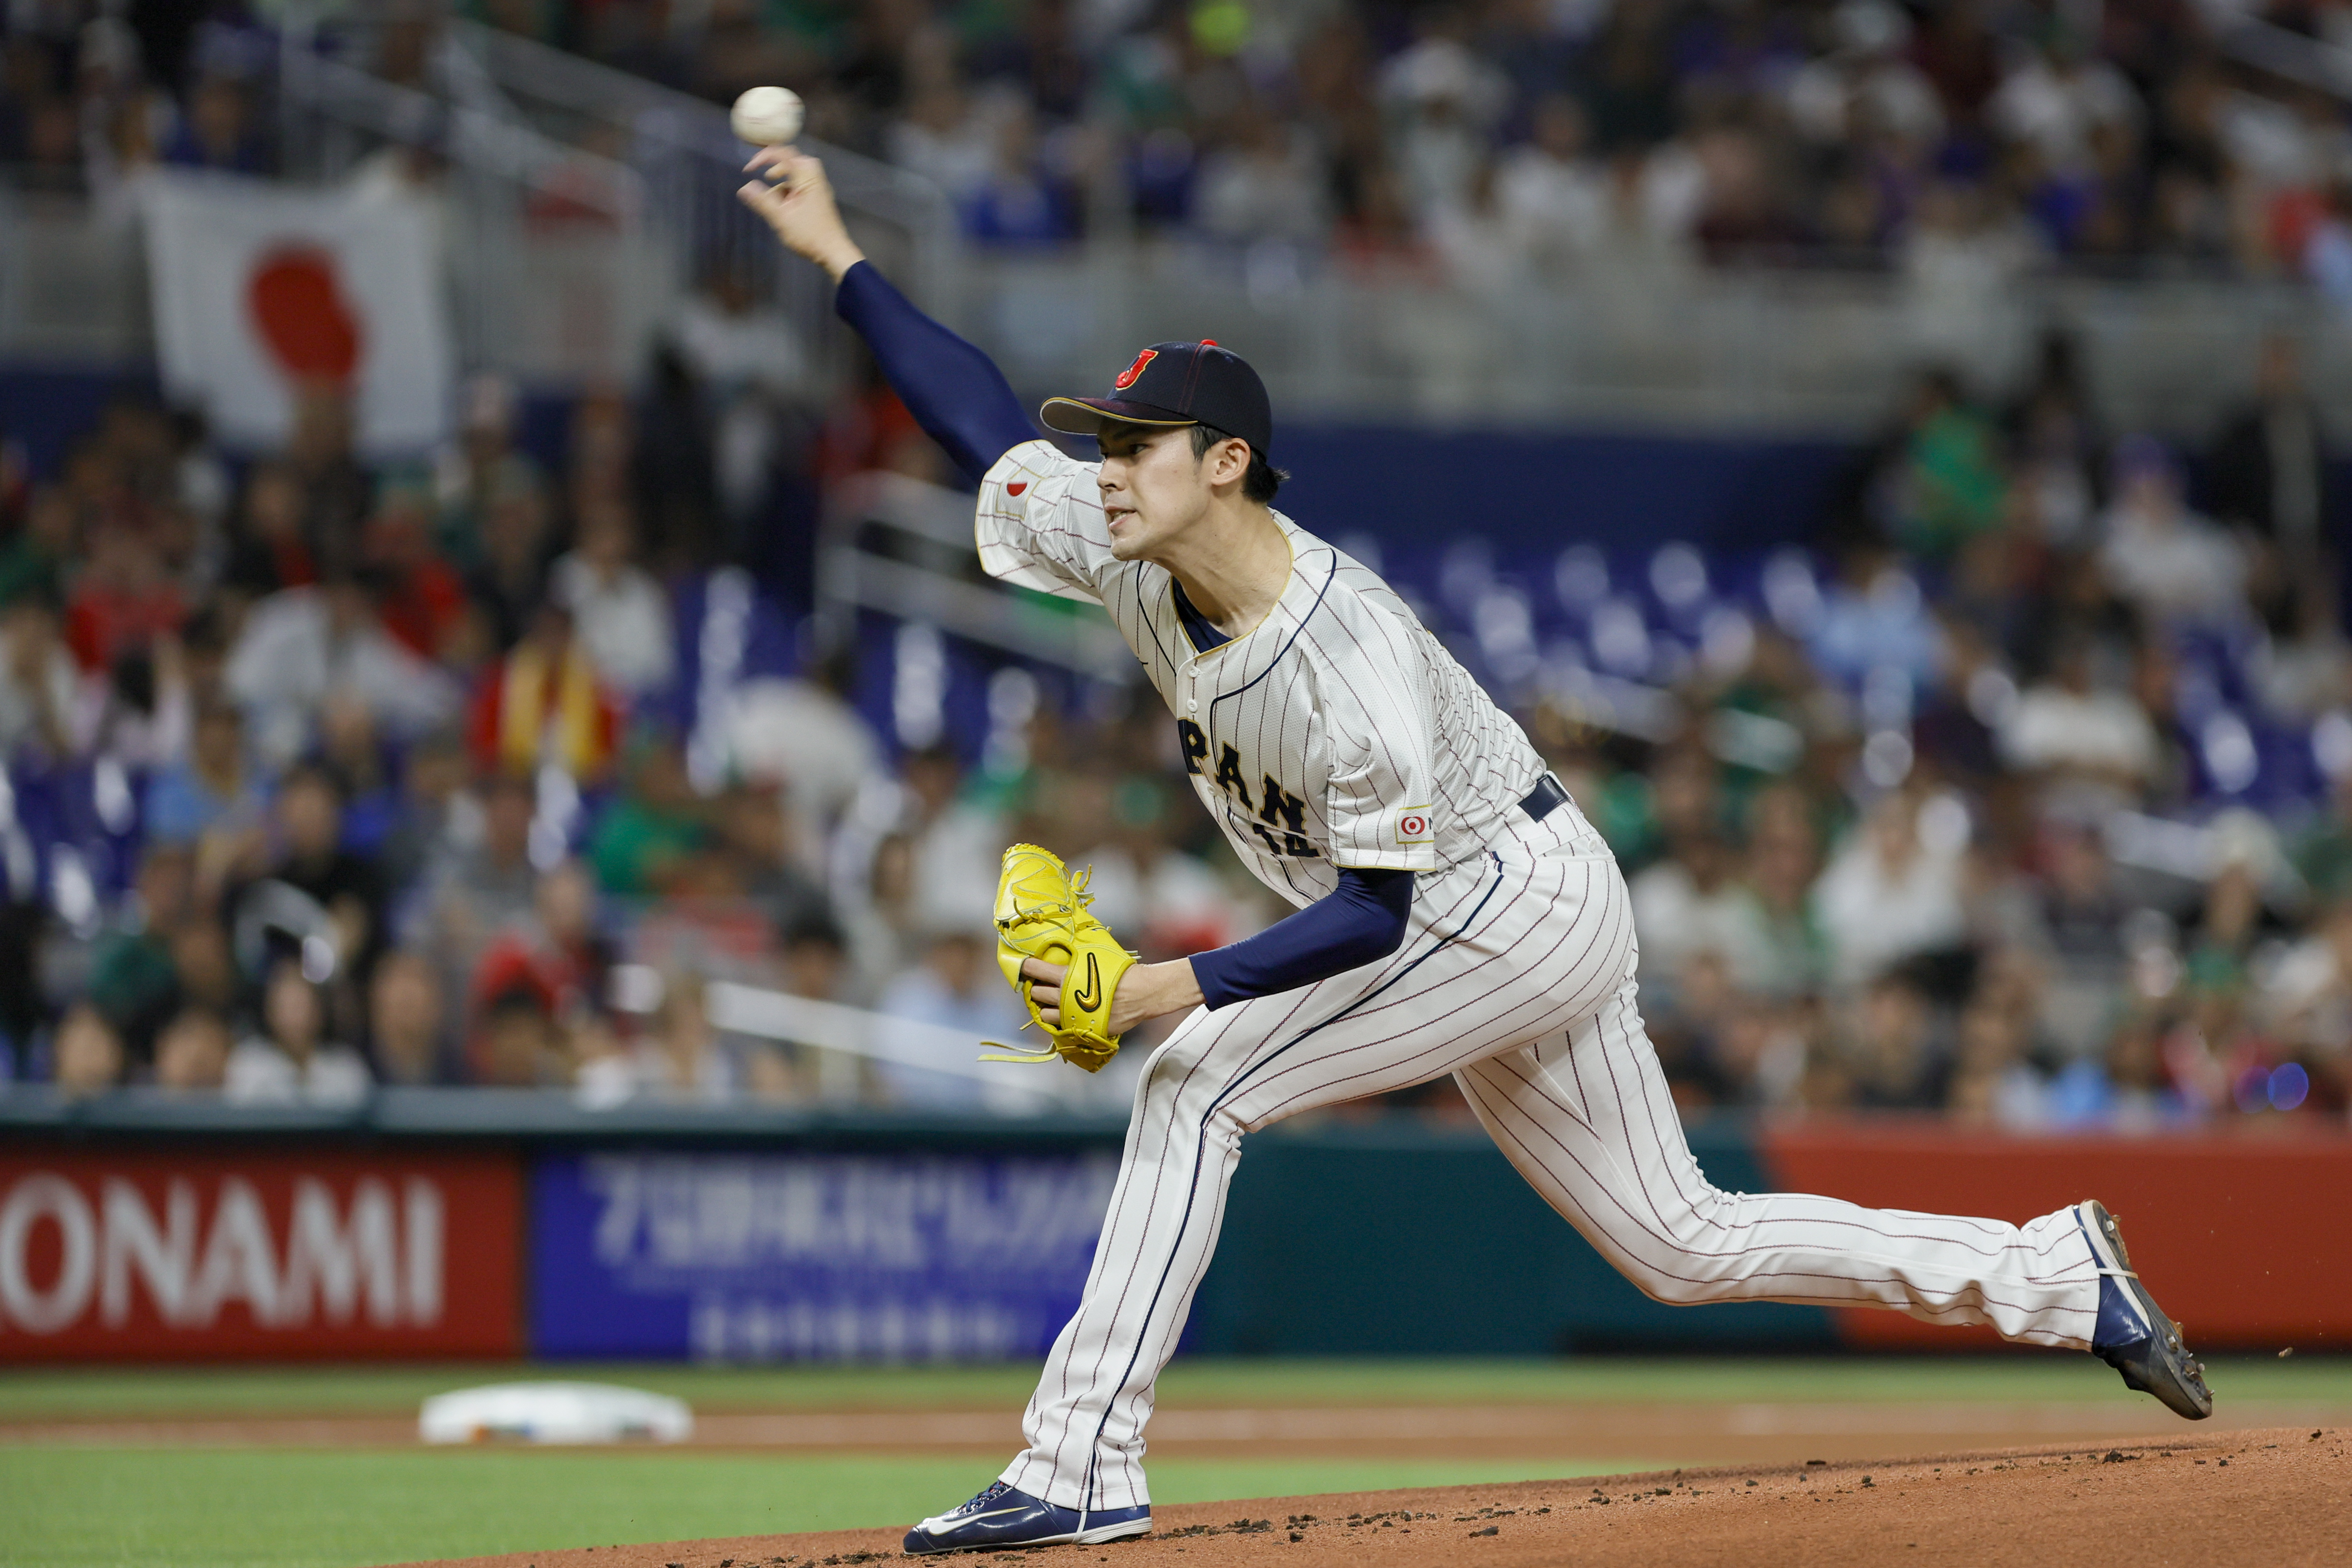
{"x":954,"y":391}
{"x":1361,"y":921}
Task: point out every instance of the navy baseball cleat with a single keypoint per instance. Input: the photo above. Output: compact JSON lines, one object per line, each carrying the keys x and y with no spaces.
{"x":1001,"y":1517}
{"x":2133,"y":1335}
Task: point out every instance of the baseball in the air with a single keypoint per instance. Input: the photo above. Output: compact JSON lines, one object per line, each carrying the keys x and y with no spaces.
{"x":767,"y":116}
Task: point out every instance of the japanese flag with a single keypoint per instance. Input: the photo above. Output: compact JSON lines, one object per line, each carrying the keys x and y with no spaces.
{"x":261,"y":290}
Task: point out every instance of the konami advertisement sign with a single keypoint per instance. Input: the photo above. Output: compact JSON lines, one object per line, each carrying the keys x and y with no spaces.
{"x":281,"y":1253}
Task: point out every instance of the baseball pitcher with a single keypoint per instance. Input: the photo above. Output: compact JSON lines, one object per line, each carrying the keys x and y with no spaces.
{"x":1456,"y":914}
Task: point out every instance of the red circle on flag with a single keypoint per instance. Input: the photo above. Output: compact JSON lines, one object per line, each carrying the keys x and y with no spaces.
{"x":296,"y":303}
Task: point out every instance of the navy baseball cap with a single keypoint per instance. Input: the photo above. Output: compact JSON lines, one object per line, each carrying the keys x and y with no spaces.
{"x":1175,"y":384}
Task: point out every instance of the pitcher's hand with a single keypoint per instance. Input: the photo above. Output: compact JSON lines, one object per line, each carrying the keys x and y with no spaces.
{"x":1144,"y":992}
{"x":796,"y":199}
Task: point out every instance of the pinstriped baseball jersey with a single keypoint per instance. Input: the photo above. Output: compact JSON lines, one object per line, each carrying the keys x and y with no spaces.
{"x":1337,"y":733}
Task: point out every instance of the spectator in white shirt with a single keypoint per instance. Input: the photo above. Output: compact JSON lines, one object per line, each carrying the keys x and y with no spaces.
{"x":288,"y":1059}
{"x":618,"y":611}
{"x":958,"y":839}
{"x":2057,"y":100}
{"x":1961,"y":259}
{"x":2169,"y":564}
{"x":2067,"y":728}
{"x":1889,"y":894}
{"x":801,"y":734}
{"x":2307,"y":994}
{"x":734,"y":340}
{"x":1266,"y":184}
{"x":679,"y":1057}
{"x":1555,"y":200}
{"x":1481,"y":251}
{"x":300,"y":643}
{"x":1689,"y":902}
{"x":140,"y":712}
{"x":1443,"y":98}
{"x":1866,"y":85}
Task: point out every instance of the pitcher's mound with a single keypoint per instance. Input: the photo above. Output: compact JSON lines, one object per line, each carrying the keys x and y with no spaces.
{"x":2265,"y":1497}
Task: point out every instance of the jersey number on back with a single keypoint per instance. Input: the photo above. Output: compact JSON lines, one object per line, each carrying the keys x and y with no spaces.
{"x":1281,"y":816}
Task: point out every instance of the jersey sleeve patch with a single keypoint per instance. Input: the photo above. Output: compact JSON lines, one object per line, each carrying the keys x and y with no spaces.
{"x":1412,"y":825}
{"x":1037,"y":521}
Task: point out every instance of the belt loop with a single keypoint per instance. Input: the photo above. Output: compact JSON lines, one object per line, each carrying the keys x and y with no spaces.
{"x":1547,"y":796}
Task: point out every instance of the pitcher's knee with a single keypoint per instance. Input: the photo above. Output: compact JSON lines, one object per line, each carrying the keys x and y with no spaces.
{"x":1680,"y":1291}
{"x":1676,"y":1277}
{"x":1679,"y":1254}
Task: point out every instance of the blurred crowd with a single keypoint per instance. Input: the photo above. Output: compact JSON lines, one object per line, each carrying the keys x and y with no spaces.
{"x":2023,"y":794}
{"x":2036,"y":806}
{"x":1494,"y":140}
{"x":321,"y":775}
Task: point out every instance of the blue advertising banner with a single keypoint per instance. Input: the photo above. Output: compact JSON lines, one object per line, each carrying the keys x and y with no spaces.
{"x":810,"y":1256}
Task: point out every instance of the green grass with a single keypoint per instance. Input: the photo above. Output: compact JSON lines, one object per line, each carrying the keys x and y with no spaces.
{"x":158,"y":1507}
{"x":102,"y":1392}
{"x":241,"y":1509}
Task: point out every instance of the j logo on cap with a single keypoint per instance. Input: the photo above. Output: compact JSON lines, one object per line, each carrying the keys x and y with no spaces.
{"x":1126,"y":377}
{"x":1176,"y":384}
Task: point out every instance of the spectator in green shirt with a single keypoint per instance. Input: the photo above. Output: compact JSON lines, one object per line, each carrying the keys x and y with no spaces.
{"x":647,"y":836}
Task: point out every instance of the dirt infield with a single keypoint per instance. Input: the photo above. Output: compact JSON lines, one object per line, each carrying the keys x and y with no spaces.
{"x":2270,"y":1498}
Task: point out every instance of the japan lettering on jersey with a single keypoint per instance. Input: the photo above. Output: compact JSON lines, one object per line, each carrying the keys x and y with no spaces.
{"x":1337,"y":733}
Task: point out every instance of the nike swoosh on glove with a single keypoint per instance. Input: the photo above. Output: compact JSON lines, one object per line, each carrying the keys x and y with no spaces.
{"x":1042,"y":911}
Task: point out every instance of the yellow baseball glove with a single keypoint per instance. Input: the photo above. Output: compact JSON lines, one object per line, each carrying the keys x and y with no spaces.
{"x":1042,"y":912}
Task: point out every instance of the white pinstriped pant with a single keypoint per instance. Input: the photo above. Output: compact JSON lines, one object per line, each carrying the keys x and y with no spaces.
{"x":1517,"y":976}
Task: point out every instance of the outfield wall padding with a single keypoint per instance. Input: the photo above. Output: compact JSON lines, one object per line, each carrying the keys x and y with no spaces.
{"x":2246,"y":1237}
{"x":473,"y":1224}
{"x":1395,"y":1237}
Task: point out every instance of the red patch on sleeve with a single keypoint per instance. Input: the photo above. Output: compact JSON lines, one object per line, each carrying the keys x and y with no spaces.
{"x":1016,"y":488}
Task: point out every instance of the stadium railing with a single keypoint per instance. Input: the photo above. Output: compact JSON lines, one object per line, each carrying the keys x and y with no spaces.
{"x":902,"y":547}
{"x":1696,"y":349}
